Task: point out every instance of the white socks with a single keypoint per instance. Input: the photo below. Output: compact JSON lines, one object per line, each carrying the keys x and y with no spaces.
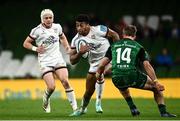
{"x":99,"y":89}
{"x":71,"y":98}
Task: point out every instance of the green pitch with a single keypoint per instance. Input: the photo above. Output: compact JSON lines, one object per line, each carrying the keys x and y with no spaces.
{"x":114,"y":109}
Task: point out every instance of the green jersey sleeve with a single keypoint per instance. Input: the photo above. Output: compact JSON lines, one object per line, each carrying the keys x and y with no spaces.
{"x":109,"y":53}
{"x":143,"y":55}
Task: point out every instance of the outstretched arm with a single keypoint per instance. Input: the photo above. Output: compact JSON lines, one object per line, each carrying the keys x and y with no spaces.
{"x":149,"y":69}
{"x":151,"y":73}
{"x":112,"y":34}
{"x":103,"y":63}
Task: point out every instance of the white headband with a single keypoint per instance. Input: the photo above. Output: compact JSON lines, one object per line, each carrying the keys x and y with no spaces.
{"x":44,"y":12}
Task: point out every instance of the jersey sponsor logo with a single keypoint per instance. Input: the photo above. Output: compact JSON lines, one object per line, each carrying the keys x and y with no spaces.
{"x":91,"y":45}
{"x":50,"y":40}
{"x":123,"y":66}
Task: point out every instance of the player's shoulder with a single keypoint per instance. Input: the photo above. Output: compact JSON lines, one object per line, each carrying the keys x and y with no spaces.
{"x":138,"y":44}
{"x":36,"y":29}
{"x":56,"y":25}
{"x":101,"y":28}
{"x":76,"y":37}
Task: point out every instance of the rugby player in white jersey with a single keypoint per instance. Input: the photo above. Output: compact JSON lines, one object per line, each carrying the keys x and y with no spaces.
{"x":48,"y":36}
{"x":96,"y":39}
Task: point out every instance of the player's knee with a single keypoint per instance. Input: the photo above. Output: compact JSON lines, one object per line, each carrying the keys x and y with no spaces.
{"x":158,"y":87}
{"x":155,"y":89}
{"x":51,"y":87}
{"x":65,"y":84}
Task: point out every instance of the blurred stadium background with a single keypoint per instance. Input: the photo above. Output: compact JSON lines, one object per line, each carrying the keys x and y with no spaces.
{"x":158,"y":24}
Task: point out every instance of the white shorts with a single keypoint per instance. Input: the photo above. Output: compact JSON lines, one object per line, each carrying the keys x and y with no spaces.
{"x":93,"y":67}
{"x":51,"y":66}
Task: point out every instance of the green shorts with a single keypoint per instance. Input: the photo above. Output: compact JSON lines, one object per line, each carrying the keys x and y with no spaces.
{"x":135,"y":79}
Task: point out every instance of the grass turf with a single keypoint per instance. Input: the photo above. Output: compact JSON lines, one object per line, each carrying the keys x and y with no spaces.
{"x":114,"y":109}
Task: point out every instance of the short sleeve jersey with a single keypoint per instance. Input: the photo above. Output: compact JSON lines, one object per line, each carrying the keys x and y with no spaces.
{"x":49,"y":38}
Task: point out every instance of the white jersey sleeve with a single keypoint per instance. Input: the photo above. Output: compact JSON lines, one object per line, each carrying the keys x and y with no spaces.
{"x":60,"y":29}
{"x":101,"y":30}
{"x":34,"y":33}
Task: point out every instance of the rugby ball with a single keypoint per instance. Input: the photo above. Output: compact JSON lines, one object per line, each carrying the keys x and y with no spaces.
{"x":82,"y":42}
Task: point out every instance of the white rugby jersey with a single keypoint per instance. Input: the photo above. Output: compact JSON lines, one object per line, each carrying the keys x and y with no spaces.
{"x":97,"y":41}
{"x":49,"y":38}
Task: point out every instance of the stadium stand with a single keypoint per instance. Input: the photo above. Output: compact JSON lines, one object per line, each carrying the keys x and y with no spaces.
{"x":34,"y":72}
{"x":167,"y":18}
{"x":153,"y":22}
{"x":11,"y":68}
{"x":174,"y":72}
{"x":5,"y":58}
{"x":128,"y":19}
{"x":141,"y":20}
{"x":27,"y":65}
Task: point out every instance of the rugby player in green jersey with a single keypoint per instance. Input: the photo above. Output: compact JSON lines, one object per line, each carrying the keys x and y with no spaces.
{"x":126,"y":55}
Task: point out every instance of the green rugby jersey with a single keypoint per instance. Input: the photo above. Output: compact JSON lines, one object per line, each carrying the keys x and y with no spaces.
{"x":126,"y":55}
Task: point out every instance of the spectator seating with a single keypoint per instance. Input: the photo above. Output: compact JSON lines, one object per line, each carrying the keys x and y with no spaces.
{"x":153,"y":22}
{"x":11,"y":69}
{"x":27,"y":64}
{"x":166,"y":18}
{"x":141,"y":20}
{"x":5,"y":58}
{"x":35,"y":72}
{"x":128,"y":19}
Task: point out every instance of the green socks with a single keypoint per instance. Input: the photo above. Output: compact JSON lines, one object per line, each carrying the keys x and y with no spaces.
{"x":162,"y":108}
{"x":130,"y":103}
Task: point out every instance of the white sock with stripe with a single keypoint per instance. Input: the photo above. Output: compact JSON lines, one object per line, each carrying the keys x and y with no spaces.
{"x":99,"y":90}
{"x":71,"y":98}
